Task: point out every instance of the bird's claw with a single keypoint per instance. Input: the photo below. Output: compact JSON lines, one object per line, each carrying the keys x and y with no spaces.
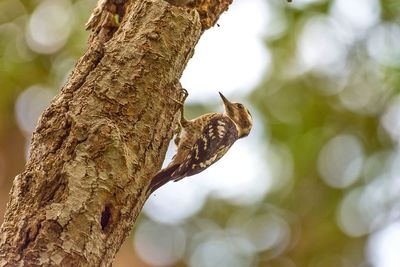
{"x":184,"y":95}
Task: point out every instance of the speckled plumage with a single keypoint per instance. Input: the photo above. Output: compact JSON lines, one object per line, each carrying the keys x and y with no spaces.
{"x":203,"y":141}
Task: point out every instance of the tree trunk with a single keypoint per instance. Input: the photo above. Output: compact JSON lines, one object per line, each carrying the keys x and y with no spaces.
{"x":104,"y":136}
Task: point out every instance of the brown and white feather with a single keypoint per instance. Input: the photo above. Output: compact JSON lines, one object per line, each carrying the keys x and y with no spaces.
{"x":203,"y":141}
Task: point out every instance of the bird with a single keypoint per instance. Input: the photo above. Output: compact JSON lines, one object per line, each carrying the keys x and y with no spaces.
{"x":204,"y":140}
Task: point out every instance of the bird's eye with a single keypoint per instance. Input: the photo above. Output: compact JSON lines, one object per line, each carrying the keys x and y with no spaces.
{"x":240,"y":106}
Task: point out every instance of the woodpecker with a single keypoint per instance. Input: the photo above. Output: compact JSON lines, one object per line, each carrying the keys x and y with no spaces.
{"x":204,"y":140}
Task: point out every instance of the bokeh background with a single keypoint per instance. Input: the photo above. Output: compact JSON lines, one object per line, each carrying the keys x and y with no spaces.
{"x":316,"y":184}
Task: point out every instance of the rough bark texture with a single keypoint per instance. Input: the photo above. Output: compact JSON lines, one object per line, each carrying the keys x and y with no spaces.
{"x":103,"y":137}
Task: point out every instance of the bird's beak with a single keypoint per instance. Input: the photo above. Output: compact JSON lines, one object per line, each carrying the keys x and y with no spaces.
{"x":226,"y":101}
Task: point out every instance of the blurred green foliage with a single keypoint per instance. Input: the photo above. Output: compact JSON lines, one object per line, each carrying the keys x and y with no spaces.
{"x":334,"y":79}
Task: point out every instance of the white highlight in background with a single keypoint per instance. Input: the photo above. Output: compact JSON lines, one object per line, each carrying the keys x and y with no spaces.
{"x":232,"y":57}
{"x":158,"y":244}
{"x":49,"y":26}
{"x":340,"y":161}
{"x":383,"y":246}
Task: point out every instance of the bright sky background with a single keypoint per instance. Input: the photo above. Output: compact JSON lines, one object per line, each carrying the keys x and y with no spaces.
{"x":233,"y":56}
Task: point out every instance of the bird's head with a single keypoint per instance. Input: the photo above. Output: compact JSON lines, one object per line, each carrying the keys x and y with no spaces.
{"x":240,"y":115}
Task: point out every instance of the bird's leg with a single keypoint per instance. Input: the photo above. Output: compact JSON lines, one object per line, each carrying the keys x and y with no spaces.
{"x":182,"y":122}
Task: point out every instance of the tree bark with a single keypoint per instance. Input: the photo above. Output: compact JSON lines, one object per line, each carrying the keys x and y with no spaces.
{"x":104,"y":136}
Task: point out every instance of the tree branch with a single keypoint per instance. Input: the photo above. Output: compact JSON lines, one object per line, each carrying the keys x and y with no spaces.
{"x":103,"y":136}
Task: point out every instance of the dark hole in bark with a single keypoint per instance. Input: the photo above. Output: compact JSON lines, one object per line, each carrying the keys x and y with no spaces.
{"x":26,"y":242}
{"x":105,"y":216}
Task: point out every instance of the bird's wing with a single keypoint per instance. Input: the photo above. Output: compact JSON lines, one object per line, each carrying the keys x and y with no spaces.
{"x":218,"y":136}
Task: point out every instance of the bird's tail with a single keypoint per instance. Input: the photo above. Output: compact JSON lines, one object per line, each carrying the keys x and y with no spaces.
{"x":162,"y":177}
